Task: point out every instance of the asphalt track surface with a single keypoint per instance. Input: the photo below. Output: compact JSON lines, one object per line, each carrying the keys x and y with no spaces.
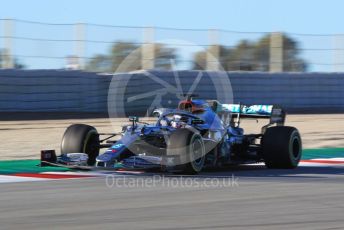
{"x":255,"y":198}
{"x":249,"y":197}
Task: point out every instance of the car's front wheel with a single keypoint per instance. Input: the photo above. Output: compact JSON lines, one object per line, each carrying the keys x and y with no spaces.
{"x":189,"y":146}
{"x":80,"y":138}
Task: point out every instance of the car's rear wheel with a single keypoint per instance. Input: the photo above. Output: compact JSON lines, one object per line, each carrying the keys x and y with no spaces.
{"x":80,"y":138}
{"x":282,"y":147}
{"x":189,"y":146}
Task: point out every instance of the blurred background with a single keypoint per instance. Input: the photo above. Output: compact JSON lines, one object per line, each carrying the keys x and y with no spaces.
{"x":248,"y":35}
{"x":60,"y":56}
{"x":102,"y":47}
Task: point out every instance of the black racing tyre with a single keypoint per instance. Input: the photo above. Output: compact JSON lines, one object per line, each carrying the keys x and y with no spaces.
{"x":80,"y":138}
{"x":282,"y":147}
{"x":190,"y":147}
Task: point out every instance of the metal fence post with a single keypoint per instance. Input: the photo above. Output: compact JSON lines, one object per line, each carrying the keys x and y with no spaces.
{"x":80,"y":45}
{"x":338,"y":54}
{"x":276,"y":52}
{"x":148,"y":49}
{"x":8,"y":34}
{"x":213,"y":52}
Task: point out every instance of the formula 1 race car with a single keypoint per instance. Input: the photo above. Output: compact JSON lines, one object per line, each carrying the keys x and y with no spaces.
{"x":198,"y":134}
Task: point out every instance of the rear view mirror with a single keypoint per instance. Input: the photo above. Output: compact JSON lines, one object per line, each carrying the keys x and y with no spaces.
{"x":156,"y":114}
{"x":134,"y":119}
{"x":124,"y":128}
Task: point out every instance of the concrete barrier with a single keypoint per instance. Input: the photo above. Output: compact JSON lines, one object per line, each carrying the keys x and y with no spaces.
{"x":76,"y":91}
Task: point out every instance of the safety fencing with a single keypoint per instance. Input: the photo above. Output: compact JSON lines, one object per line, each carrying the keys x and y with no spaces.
{"x":86,"y":46}
{"x":77,"y":91}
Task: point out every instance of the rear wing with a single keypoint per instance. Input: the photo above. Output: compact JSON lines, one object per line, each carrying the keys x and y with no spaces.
{"x":273,"y":112}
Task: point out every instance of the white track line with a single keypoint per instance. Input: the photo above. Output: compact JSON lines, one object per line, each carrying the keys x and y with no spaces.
{"x":11,"y":179}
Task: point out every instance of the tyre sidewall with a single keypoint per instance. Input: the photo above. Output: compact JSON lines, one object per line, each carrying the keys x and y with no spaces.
{"x":295,"y":136}
{"x":196,"y":162}
{"x":278,"y":147}
{"x":181,"y":145}
{"x":80,"y":138}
